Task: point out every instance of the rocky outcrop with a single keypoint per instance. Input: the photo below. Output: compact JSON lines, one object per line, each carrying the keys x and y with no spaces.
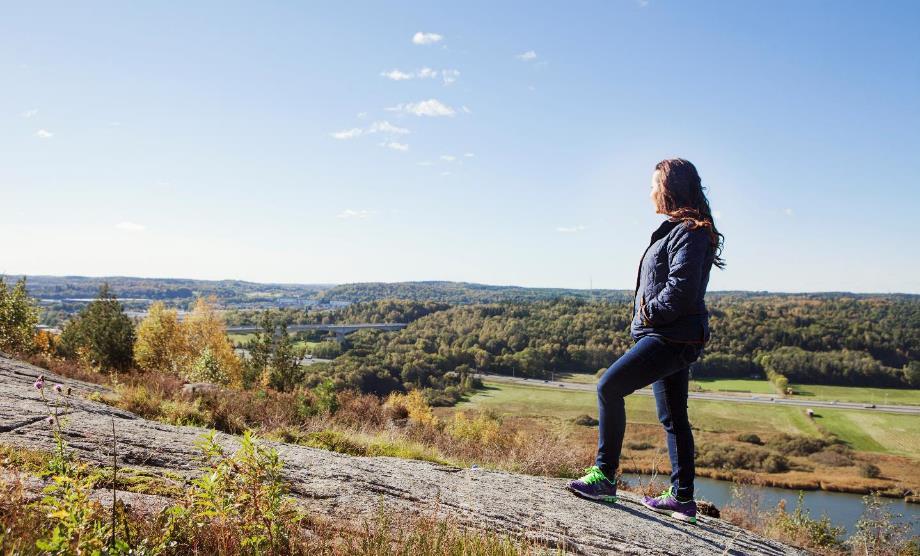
{"x":340,"y":486}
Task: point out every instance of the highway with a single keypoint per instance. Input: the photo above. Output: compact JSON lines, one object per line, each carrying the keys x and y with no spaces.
{"x":715,"y":396}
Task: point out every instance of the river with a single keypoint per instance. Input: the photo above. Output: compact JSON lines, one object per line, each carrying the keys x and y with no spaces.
{"x":842,"y":508}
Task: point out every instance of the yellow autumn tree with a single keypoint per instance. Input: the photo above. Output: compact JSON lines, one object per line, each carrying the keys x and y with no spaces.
{"x":161,"y":343}
{"x":213,"y":358}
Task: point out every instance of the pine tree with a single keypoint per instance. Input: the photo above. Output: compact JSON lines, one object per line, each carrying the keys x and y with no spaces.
{"x":102,"y":333}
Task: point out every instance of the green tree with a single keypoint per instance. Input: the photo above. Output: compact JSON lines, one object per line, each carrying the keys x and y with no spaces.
{"x":285,"y":370}
{"x":102,"y":333}
{"x":18,"y":317}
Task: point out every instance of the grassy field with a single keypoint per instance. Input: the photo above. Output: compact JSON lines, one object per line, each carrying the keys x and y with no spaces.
{"x":809,"y":391}
{"x":873,"y":432}
{"x":858,"y":394}
{"x":734,"y":385}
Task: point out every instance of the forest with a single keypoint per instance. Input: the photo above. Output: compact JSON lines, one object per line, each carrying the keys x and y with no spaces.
{"x":841,"y":340}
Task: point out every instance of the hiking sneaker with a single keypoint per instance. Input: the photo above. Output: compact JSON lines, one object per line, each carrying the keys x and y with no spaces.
{"x":595,"y":486}
{"x":667,"y":503}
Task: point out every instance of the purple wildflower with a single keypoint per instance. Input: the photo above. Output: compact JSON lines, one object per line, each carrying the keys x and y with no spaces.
{"x":39,"y":384}
{"x":50,"y":420}
{"x":58,"y":388}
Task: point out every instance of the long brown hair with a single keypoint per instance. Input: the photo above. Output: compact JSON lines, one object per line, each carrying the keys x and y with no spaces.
{"x":681,"y":196}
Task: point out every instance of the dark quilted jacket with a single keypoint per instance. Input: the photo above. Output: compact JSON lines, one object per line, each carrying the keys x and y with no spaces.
{"x":672,"y":280}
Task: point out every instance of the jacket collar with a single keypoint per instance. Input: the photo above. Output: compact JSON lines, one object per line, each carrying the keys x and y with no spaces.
{"x":664,"y":229}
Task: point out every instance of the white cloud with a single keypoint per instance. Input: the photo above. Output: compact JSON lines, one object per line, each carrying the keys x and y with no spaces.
{"x":431,"y":107}
{"x":528,"y":56}
{"x":570,"y":229}
{"x":349,"y":213}
{"x":130,"y":226}
{"x":445,"y":173}
{"x":362,"y":115}
{"x":397,"y":75}
{"x":381,"y":126}
{"x":466,"y":109}
{"x":425,"y":163}
{"x":787,"y":211}
{"x":448,"y":158}
{"x":449,"y":76}
{"x":30,"y":113}
{"x":395,"y":146}
{"x":348,"y":133}
{"x":469,"y":155}
{"x":426,"y":38}
{"x":427,"y":73}
{"x":44,"y":134}
{"x":384,"y":126}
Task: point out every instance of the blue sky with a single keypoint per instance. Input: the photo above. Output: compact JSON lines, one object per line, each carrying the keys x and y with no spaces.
{"x":496,"y":142}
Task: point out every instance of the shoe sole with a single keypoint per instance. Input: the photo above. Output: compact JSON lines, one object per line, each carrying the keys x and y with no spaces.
{"x":676,"y":515}
{"x":603,"y":498}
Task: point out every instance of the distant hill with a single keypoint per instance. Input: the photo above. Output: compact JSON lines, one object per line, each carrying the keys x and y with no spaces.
{"x":80,"y":287}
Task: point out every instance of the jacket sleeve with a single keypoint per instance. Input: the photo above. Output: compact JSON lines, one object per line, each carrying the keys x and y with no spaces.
{"x":686,"y":257}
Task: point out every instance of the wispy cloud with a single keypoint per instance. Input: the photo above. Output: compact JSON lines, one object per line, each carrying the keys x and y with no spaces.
{"x":381,"y":126}
{"x":425,"y":163}
{"x":426,"y":38}
{"x":448,"y":76}
{"x":348,"y":133}
{"x":130,"y":226}
{"x":397,"y":75}
{"x":44,"y":134}
{"x":466,"y":109}
{"x":469,"y":155}
{"x":395,"y":146}
{"x":570,"y":229}
{"x":350,"y":214}
{"x":528,"y":56}
{"x":787,"y":211}
{"x":384,"y":126}
{"x":30,"y":113}
{"x":448,"y":157}
{"x":431,"y":108}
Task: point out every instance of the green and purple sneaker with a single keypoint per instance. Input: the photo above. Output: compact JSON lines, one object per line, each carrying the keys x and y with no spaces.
{"x":595,"y":486}
{"x":668,"y":503}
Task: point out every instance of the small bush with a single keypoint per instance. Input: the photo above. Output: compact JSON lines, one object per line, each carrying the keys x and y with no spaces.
{"x":834,"y":456}
{"x":802,"y":529}
{"x":586,"y":421}
{"x":414,"y":406}
{"x":869,"y":470}
{"x":750,"y":438}
{"x":796,"y":445}
{"x":640,"y":445}
{"x":335,"y":441}
{"x":730,"y":457}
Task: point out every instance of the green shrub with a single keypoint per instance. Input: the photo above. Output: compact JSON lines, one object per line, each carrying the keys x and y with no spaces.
{"x":18,"y":317}
{"x":586,"y":421}
{"x":750,"y":438}
{"x":640,"y":445}
{"x":732,"y":456}
{"x":796,"y":445}
{"x":869,"y":470}
{"x":802,"y":529}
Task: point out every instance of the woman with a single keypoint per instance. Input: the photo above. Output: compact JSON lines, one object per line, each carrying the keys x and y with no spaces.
{"x":670,"y":326}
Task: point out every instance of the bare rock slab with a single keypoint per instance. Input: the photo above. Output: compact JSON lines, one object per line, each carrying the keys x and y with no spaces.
{"x":337,"y":485}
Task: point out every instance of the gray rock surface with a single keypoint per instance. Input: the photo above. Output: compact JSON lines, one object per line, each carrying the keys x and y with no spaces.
{"x":348,"y":487}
